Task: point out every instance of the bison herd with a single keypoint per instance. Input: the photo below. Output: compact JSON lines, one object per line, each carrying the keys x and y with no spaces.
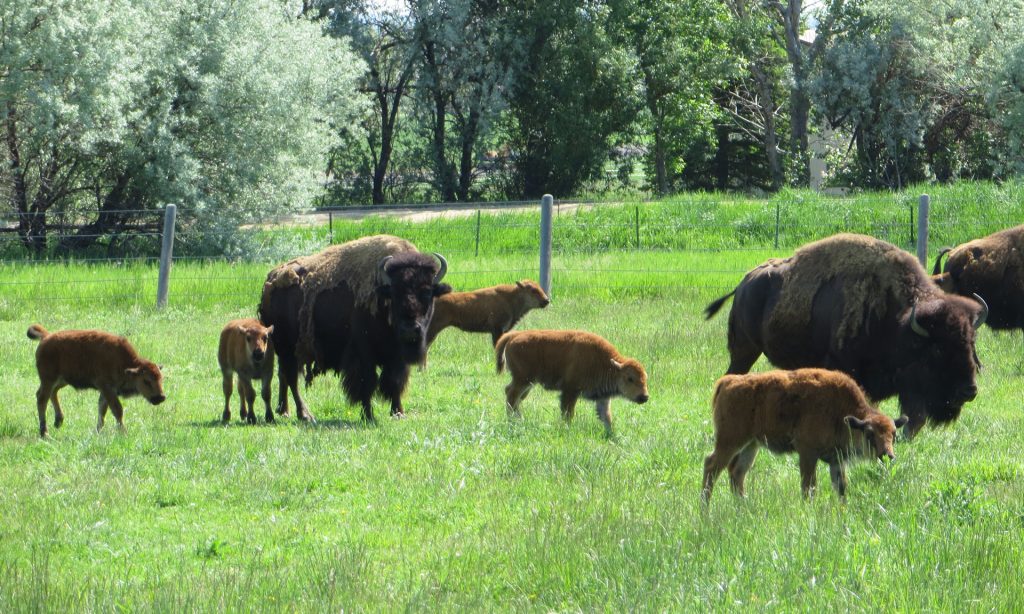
{"x":851,"y":320}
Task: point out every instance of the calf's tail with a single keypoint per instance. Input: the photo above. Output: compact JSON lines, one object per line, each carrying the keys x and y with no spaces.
{"x":938,"y":260}
{"x":37,"y":332}
{"x":713,"y":308}
{"x":499,"y":350}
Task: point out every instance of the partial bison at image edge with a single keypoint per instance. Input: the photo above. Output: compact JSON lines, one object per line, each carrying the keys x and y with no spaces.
{"x":992,"y":267}
{"x":819,"y":414}
{"x":352,"y":308}
{"x":91,"y":359}
{"x":860,"y":305}
{"x":576,"y":363}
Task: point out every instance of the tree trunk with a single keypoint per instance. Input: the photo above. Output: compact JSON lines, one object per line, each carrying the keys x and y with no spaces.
{"x":771,"y":138}
{"x":660,"y":173}
{"x":109,"y":219}
{"x":469,"y":134}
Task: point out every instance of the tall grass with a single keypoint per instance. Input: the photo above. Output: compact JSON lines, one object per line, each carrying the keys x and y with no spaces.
{"x":458,"y":507}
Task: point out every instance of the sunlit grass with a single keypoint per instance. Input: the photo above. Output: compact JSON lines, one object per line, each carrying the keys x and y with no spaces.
{"x":457,"y":507}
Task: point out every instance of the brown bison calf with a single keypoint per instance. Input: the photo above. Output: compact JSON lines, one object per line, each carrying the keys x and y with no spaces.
{"x":819,"y":414}
{"x":247,"y":350}
{"x":577,"y":363}
{"x":91,"y":359}
{"x":492,"y":310}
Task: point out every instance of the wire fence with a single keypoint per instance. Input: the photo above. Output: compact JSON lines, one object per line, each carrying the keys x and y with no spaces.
{"x":619,"y":250}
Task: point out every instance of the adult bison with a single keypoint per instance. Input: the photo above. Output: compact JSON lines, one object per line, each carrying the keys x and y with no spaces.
{"x":352,"y":308}
{"x":863,"y":306}
{"x":992,"y":267}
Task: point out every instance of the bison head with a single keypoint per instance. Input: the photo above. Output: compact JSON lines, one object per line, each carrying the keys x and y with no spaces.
{"x":147,"y":380}
{"x":632,"y":380}
{"x":409,"y":283}
{"x":936,"y":376}
{"x":874,"y":436}
{"x":257,"y":341}
{"x":535,"y":295}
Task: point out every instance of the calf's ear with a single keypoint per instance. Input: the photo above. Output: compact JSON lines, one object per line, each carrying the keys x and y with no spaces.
{"x":133,"y":370}
{"x":901,"y":421}
{"x":270,"y":330}
{"x":616,"y":364}
{"x":856,"y":423}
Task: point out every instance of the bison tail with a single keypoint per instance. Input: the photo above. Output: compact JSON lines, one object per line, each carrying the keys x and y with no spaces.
{"x":713,"y":308}
{"x":499,"y":351}
{"x":938,"y":260}
{"x":37,"y":332}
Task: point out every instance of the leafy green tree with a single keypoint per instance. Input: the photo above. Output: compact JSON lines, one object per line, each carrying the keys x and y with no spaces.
{"x":571,"y":95}
{"x":467,"y":52}
{"x":123,"y":106}
{"x":682,"y":56}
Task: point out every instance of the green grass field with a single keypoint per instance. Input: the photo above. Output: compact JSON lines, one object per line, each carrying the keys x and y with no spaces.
{"x":458,"y":507}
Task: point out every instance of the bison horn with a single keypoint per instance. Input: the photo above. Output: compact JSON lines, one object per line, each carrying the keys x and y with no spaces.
{"x":984,"y":312}
{"x":443,"y":268}
{"x":383,"y":273}
{"x":915,"y":325}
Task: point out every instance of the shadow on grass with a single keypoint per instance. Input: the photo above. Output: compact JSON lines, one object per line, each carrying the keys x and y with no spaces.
{"x":332,"y":424}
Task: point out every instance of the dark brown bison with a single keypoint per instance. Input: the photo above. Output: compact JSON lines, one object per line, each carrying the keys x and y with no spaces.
{"x":351,"y":309}
{"x":856,"y":304}
{"x":91,"y":359}
{"x":992,"y":267}
{"x":821,"y":415}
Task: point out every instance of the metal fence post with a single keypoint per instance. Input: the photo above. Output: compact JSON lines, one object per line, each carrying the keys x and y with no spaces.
{"x":546,"y":204}
{"x":922,"y":229}
{"x":477,"y":251}
{"x":166,"y":249}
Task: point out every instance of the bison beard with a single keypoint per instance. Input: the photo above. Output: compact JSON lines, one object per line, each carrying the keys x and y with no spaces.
{"x":351,"y":334}
{"x":862,"y":306}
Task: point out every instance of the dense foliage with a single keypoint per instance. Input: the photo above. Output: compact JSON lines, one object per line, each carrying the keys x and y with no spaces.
{"x":237,"y":110}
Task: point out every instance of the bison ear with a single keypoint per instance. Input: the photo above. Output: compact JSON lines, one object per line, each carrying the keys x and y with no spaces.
{"x":616,"y":364}
{"x":856,"y":423}
{"x":442,"y":289}
{"x":270,"y":330}
{"x":901,"y":421}
{"x":133,"y":370}
{"x":521,"y":284}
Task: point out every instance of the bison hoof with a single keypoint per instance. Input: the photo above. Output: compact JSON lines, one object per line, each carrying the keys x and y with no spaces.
{"x":59,"y":420}
{"x":269,"y":418}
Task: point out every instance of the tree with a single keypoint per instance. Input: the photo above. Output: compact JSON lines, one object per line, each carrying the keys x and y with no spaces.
{"x":128,"y":106}
{"x":384,"y":39}
{"x":571,"y":94}
{"x":682,"y":57}
{"x":467,"y":58}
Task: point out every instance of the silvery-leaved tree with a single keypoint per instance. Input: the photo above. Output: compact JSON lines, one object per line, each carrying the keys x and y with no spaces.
{"x":117,"y":106}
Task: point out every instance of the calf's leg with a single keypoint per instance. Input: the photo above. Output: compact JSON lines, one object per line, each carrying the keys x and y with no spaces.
{"x":604,"y":414}
{"x":715,"y":462}
{"x":568,"y":404}
{"x":102,"y":412}
{"x":246,"y":390}
{"x":838,"y":478}
{"x":740,"y":465}
{"x":115,"y":406}
{"x":58,"y":414}
{"x":808,"y":474}
{"x":42,"y":398}
{"x":515,"y":392}
{"x":227,"y":386}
